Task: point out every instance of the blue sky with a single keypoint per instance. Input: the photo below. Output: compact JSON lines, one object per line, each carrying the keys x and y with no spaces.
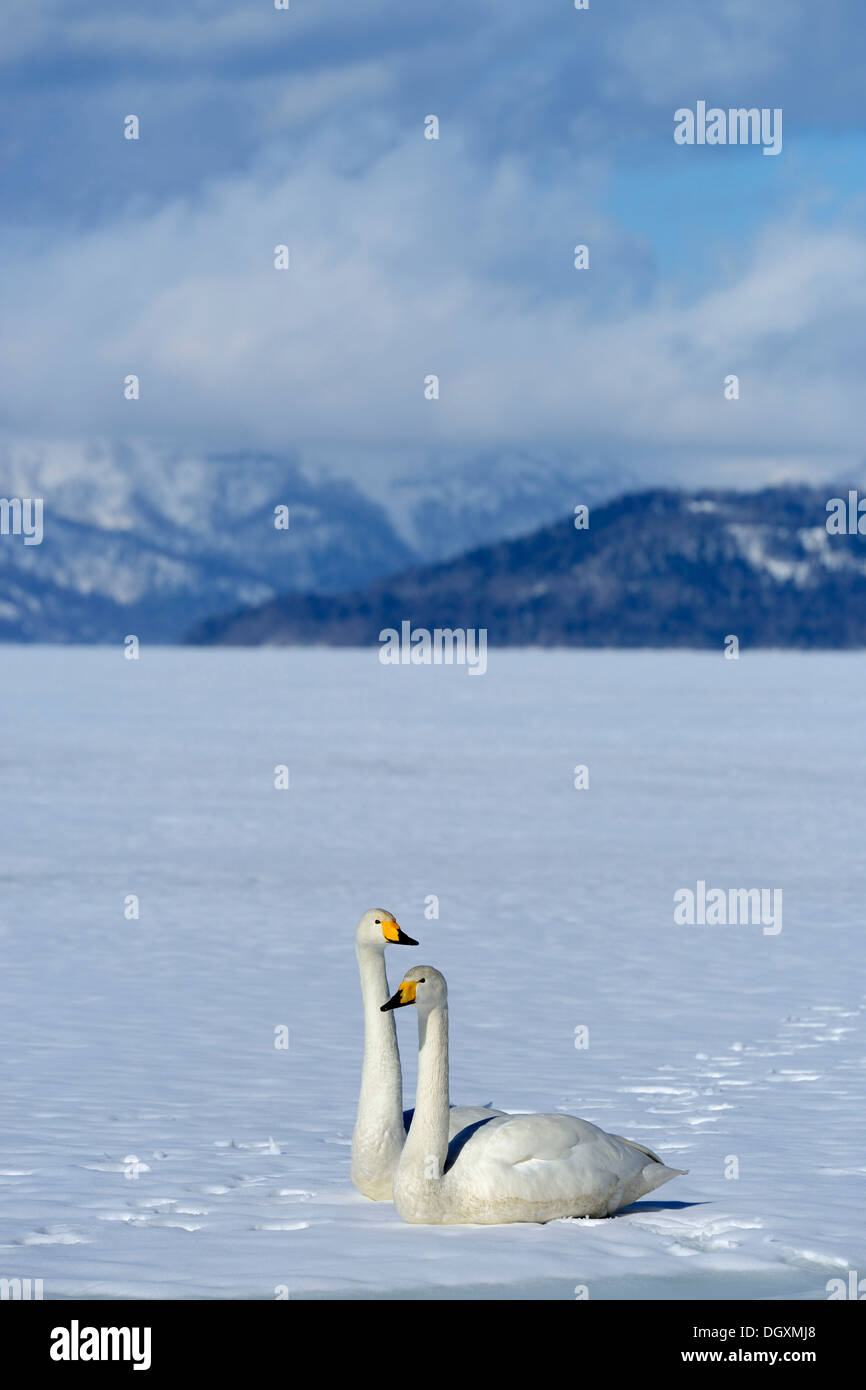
{"x":411,"y":256}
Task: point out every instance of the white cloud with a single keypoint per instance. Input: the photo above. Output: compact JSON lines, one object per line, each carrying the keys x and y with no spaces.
{"x":672,"y":53}
{"x":412,"y":257}
{"x":193,"y":29}
{"x":426,"y":263}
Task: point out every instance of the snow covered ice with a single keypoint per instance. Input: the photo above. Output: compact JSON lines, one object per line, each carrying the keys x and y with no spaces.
{"x":155,"y":1143}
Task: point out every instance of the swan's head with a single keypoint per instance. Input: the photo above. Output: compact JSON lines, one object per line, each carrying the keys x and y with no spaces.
{"x":379,"y":927}
{"x":422,"y":986}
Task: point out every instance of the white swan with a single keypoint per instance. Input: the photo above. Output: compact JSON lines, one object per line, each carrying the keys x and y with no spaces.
{"x":380,"y":1126}
{"x":509,"y":1168}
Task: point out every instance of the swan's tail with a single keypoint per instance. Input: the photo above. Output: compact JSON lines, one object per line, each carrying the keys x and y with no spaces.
{"x":656,"y":1173}
{"x":657,"y":1163}
{"x":641,"y":1148}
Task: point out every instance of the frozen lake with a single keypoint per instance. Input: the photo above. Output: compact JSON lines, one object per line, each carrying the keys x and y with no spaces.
{"x":723,"y":1047}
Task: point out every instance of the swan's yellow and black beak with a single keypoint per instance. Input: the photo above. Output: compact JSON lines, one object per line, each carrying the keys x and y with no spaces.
{"x":393,"y":932}
{"x":405,"y":995}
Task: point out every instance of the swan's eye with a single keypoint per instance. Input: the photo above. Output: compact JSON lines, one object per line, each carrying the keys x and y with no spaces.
{"x":423,"y":980}
{"x":378,"y":923}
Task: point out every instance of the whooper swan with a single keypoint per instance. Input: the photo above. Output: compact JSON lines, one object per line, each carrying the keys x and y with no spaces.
{"x":513,"y":1167}
{"x":380,"y":1126}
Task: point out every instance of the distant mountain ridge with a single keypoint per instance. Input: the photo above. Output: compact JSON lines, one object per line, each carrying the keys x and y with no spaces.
{"x":148,"y":541}
{"x":655,"y":568}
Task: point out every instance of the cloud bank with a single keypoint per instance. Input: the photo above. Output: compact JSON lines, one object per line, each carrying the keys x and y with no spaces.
{"x":411,"y":257}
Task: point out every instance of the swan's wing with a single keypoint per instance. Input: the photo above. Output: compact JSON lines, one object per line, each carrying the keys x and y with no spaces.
{"x":460,"y":1117}
{"x":555,"y":1165}
{"x":518,"y":1139}
{"x":642,"y":1147}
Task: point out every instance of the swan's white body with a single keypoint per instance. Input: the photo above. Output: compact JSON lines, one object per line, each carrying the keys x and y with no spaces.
{"x":513,"y":1167}
{"x":380,"y":1126}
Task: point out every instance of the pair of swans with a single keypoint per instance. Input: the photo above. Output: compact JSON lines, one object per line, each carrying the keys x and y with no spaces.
{"x":380,"y":1128}
{"x":500,"y":1167}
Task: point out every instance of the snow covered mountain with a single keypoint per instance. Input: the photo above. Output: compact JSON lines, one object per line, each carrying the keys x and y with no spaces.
{"x":143,"y":540}
{"x":657,"y":568}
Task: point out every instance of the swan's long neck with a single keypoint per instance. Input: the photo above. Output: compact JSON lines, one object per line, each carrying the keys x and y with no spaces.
{"x":378,"y":1138}
{"x":426,"y":1149}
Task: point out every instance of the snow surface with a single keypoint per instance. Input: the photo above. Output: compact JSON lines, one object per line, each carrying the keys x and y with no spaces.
{"x":154,"y":1039}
